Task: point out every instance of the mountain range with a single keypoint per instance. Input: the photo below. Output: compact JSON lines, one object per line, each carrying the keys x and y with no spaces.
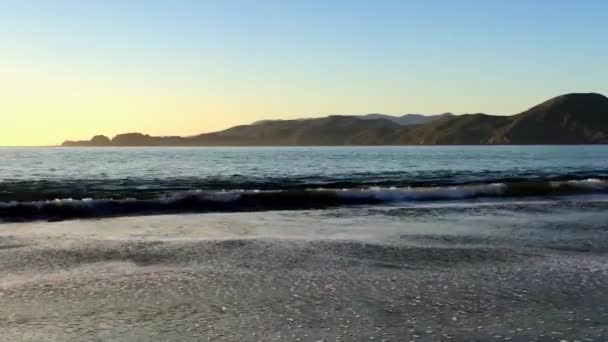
{"x":577,"y":118}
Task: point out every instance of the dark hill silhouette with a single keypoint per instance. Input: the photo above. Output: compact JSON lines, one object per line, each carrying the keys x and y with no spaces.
{"x":408,"y":119}
{"x":567,"y":119}
{"x":405,"y":120}
{"x":332,"y":130}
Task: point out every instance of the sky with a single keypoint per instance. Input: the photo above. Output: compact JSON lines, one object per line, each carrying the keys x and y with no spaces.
{"x":70,"y":69}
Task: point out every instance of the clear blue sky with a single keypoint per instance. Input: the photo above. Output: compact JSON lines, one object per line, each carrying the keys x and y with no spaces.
{"x":184,"y":67}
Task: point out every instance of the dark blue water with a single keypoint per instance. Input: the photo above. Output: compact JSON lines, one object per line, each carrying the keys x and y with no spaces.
{"x":360,"y":174}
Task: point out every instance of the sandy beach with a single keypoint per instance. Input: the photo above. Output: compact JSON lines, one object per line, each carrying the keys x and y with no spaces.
{"x":506,"y":271}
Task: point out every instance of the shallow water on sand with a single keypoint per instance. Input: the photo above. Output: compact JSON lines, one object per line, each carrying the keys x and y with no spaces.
{"x":533,"y":270}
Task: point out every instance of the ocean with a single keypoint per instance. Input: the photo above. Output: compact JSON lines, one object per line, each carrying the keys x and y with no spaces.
{"x":58,"y":183}
{"x":437,"y":243}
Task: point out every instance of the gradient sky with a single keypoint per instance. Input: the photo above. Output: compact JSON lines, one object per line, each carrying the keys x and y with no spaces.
{"x":70,"y":69}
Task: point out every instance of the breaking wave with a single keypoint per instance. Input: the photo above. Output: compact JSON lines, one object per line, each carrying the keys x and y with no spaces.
{"x":198,"y":201}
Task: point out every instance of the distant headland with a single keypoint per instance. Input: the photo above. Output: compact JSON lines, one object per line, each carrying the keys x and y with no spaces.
{"x":577,"y":118}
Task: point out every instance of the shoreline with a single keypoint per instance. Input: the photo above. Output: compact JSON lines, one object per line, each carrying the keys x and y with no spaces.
{"x":500,"y":273}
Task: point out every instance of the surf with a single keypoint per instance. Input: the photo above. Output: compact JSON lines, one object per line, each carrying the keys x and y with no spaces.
{"x":201,"y":201}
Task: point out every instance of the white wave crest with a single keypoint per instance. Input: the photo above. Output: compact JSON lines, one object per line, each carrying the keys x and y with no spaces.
{"x":434,"y":193}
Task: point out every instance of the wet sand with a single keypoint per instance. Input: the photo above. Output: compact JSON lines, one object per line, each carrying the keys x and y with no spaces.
{"x":495,"y":272}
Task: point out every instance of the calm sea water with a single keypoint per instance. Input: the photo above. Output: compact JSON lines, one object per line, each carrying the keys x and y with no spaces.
{"x":302,"y":164}
{"x":42,"y":174}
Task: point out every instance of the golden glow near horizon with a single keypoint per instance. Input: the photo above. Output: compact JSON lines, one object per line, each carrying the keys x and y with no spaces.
{"x":45,"y":108}
{"x":46,"y":105}
{"x":42,"y":107}
{"x":47,"y":114}
{"x":71,"y":70}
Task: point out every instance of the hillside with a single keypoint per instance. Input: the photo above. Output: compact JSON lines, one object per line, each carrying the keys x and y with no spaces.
{"x":407,"y":119}
{"x":568,"y":119}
